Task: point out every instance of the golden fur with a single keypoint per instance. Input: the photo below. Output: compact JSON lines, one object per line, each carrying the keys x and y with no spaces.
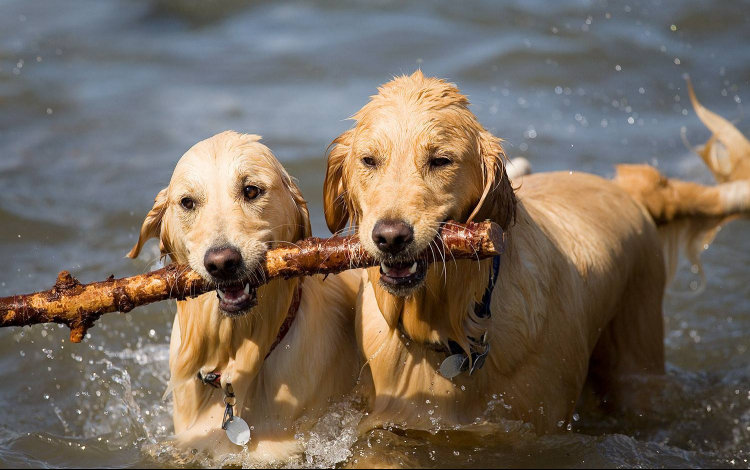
{"x":316,"y":361}
{"x":727,"y":152}
{"x":579,"y":295}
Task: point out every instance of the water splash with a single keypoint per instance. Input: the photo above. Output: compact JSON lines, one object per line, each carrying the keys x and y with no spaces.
{"x":331,"y":439}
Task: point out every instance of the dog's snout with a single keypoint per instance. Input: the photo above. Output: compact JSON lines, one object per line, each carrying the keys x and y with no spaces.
{"x":223,"y":263}
{"x":392,"y":236}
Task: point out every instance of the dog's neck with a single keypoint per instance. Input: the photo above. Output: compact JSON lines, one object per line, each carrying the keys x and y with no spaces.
{"x":443,"y":309}
{"x":210,"y":341}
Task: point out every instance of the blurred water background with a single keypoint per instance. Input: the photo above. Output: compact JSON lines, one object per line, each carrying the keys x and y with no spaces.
{"x":98,"y":100}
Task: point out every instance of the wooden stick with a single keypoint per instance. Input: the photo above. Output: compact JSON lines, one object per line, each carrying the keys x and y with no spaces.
{"x":79,"y":306}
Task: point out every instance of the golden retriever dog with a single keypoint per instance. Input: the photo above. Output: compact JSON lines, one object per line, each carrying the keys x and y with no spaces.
{"x":228,"y":202}
{"x":576,"y":297}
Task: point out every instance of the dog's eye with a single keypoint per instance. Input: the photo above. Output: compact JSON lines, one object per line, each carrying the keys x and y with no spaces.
{"x":187,"y":203}
{"x":251,"y":192}
{"x":438,"y":162}
{"x":369,"y":162}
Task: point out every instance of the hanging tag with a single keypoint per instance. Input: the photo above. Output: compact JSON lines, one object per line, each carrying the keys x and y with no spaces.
{"x":237,"y":430}
{"x":453,"y":366}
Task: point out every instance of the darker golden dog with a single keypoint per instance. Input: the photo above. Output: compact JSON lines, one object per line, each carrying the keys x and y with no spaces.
{"x":577,"y":296}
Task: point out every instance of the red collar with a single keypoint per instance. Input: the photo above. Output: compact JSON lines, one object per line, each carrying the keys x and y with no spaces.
{"x":290,"y":316}
{"x":214,"y":378}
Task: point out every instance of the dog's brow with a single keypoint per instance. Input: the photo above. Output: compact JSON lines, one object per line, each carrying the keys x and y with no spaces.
{"x":189,"y":183}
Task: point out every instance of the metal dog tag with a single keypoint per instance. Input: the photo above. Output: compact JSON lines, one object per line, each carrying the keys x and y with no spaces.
{"x":453,"y":366}
{"x":238,"y":431}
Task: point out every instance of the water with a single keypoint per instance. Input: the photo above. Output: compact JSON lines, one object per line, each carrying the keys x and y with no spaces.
{"x":98,"y":100}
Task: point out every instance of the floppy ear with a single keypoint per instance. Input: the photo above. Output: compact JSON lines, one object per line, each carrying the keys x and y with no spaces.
{"x":152,"y":225}
{"x":498,"y":200}
{"x":335,"y":203}
{"x":303,"y":228}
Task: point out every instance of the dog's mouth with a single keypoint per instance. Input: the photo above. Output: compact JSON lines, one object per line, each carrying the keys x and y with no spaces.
{"x":403,"y":276}
{"x":237,"y":300}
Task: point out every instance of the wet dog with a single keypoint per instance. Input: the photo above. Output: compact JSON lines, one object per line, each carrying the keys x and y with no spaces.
{"x":286,"y":348}
{"x":577,"y":295}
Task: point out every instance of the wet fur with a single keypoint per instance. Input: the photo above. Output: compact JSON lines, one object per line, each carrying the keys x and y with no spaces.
{"x":317,"y":360}
{"x":579,"y":296}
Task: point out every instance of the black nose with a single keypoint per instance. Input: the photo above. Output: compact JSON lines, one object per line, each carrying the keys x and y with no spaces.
{"x":392,"y":236}
{"x":223,"y":263}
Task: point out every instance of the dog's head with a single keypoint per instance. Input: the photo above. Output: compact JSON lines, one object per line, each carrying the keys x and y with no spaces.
{"x":228,"y":202}
{"x":416,"y":157}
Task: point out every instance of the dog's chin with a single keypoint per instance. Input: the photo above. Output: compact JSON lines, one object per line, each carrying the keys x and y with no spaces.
{"x":402,"y":278}
{"x":237,"y":300}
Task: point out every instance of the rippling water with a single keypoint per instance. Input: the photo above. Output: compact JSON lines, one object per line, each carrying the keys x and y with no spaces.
{"x":98,"y":100}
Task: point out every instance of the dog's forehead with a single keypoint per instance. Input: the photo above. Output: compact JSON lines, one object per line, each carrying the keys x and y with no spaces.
{"x":227,"y":155}
{"x":421,"y":130}
{"x":432,"y":110}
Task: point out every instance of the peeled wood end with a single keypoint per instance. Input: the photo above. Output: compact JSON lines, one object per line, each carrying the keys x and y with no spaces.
{"x":81,"y":325}
{"x":496,"y":239}
{"x":77,"y":334}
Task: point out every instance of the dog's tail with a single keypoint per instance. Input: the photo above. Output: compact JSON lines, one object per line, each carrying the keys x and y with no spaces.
{"x":689,"y":215}
{"x":727,"y":152}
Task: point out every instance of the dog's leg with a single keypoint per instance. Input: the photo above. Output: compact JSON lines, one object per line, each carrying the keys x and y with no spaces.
{"x":630,"y":349}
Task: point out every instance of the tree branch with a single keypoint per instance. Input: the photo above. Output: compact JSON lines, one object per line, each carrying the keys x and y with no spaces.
{"x":79,"y":306}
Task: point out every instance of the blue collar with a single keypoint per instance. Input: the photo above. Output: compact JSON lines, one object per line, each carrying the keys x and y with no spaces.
{"x":484,"y":309}
{"x":458,"y":361}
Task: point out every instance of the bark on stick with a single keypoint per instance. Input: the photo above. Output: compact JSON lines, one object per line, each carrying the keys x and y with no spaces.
{"x":79,"y":306}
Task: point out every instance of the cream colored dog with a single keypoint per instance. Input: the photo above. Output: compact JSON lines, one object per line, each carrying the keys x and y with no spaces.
{"x":228,"y":202}
{"x":576,"y":296}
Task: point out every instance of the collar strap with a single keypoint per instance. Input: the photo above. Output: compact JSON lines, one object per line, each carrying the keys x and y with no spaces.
{"x":290,"y":317}
{"x":457,"y":360}
{"x":213,"y":379}
{"x":484,"y":309}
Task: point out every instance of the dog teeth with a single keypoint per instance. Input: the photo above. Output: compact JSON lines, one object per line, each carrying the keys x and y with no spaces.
{"x":413,"y":268}
{"x":247,"y":289}
{"x":385,"y":268}
{"x":222,"y":295}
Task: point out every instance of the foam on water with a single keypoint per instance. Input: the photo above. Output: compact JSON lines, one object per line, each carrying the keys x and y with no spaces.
{"x":330,"y":440}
